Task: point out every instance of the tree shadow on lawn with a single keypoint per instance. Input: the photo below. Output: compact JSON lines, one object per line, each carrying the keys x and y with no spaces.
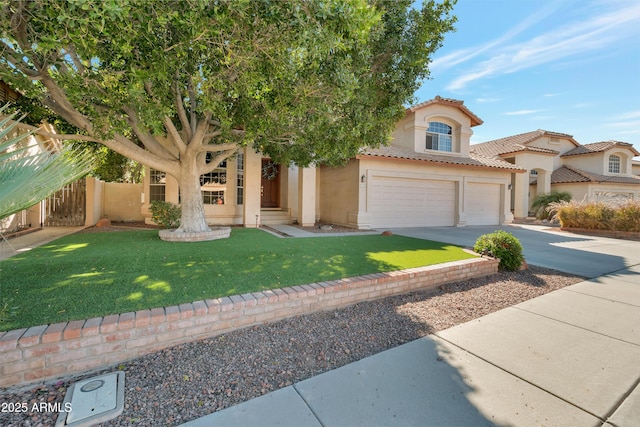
{"x":96,"y":274}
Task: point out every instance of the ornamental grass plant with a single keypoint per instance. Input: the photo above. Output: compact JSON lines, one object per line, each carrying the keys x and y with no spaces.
{"x":607,"y":213}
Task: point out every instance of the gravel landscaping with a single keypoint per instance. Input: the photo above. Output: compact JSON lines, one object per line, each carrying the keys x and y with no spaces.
{"x":185,"y":382}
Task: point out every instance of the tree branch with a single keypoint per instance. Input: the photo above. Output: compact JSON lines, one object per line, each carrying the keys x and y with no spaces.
{"x":200,"y":130}
{"x":192,"y":102}
{"x":215,"y":162}
{"x":182,"y":114}
{"x":147,"y":139}
{"x":173,"y":132}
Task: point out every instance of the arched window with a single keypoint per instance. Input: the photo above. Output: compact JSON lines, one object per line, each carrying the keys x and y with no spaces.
{"x":614,"y":164}
{"x":439,"y":137}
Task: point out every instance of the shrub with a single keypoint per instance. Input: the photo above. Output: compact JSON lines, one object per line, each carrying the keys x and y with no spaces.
{"x":541,"y":202}
{"x":502,"y":245}
{"x":604,"y":214}
{"x":627,"y":216}
{"x":165,"y":214}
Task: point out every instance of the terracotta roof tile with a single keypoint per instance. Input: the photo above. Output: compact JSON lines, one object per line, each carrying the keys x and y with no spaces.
{"x":474,"y":160}
{"x":517,"y":143}
{"x":598,"y":147}
{"x":566,"y":174}
{"x":475,"y":120}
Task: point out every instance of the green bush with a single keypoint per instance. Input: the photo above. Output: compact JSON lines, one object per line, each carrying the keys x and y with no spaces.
{"x":165,"y":214}
{"x":501,"y":245}
{"x":541,"y":202}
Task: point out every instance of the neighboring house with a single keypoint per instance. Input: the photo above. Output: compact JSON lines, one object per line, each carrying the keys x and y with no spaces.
{"x":29,"y":216}
{"x":425,"y":177}
{"x":635,"y":167}
{"x":556,"y":161}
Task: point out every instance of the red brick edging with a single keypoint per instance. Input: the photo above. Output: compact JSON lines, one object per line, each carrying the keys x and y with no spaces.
{"x":46,"y":352}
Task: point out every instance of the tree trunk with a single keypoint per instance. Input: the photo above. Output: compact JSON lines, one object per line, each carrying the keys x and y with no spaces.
{"x":193,"y":219}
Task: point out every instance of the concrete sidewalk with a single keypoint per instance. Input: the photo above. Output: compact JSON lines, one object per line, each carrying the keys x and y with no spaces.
{"x":11,"y":247}
{"x":567,"y":358}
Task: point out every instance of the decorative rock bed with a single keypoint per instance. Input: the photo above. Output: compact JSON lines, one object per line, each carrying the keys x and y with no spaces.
{"x":201,"y":236}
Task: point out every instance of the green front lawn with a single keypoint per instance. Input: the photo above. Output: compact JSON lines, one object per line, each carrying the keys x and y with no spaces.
{"x":96,"y":274}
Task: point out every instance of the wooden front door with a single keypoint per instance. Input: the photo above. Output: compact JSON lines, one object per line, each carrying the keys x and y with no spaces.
{"x":270,"y":184}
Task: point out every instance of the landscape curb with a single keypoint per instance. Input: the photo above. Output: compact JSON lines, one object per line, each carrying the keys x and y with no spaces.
{"x":46,"y":352}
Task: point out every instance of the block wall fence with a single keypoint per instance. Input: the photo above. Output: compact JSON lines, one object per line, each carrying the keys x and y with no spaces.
{"x":46,"y":352}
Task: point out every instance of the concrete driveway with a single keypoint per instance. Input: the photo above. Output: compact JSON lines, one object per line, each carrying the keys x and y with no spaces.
{"x":549,"y":247}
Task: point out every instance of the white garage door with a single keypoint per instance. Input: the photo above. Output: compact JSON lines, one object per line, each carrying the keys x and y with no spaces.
{"x":482,"y":204}
{"x":404,"y":202}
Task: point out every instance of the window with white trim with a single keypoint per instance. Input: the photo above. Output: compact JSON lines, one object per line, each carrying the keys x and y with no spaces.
{"x":439,"y":137}
{"x":157,"y":185}
{"x":614,"y":164}
{"x":240,"y":179}
{"x":214,"y":183}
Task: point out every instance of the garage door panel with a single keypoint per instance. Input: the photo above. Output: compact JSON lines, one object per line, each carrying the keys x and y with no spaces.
{"x":483,"y":204}
{"x":403,"y":202}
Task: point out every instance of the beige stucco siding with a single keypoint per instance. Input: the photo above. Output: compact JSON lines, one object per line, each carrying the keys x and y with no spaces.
{"x":339,"y":188}
{"x":122,"y":201}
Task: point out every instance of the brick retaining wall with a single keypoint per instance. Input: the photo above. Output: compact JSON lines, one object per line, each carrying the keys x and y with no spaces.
{"x":46,"y":352}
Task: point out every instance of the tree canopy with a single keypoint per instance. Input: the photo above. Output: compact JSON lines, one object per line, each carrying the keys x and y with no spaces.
{"x":166,"y":82}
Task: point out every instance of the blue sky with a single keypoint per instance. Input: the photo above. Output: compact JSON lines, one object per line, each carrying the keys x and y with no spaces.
{"x":570,"y":66}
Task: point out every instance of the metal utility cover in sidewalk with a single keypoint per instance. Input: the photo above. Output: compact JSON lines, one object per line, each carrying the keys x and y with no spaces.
{"x":93,"y":401}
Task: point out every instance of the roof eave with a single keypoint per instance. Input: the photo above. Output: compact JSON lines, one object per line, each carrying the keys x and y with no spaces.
{"x":404,"y":159}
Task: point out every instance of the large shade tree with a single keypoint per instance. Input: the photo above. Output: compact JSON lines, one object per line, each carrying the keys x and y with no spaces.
{"x":302,"y":81}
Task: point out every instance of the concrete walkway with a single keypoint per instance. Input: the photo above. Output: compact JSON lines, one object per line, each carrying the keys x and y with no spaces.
{"x":17,"y":245}
{"x":567,"y":358}
{"x":292,"y":231}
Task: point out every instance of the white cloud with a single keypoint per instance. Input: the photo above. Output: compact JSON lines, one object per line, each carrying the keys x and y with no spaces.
{"x":463,"y":55}
{"x":597,"y":32}
{"x":629,"y":115}
{"x":483,"y":100}
{"x":625,"y":124}
{"x":520,"y":112}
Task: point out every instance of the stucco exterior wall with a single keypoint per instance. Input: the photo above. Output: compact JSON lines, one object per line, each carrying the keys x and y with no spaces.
{"x":121,"y":201}
{"x":338,"y":190}
{"x":411,"y":131}
{"x":558,"y":144}
{"x":591,"y":162}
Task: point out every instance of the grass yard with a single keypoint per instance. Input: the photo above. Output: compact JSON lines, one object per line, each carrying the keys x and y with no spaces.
{"x":96,"y":274}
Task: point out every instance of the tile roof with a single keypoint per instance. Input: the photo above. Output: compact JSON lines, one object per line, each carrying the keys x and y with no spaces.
{"x":407,"y":154}
{"x":566,"y":174}
{"x":518,"y":143}
{"x":598,"y":147}
{"x":475,"y":120}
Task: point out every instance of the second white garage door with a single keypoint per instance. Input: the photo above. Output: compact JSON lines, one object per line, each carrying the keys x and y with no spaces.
{"x":482,"y":204}
{"x":404,"y":202}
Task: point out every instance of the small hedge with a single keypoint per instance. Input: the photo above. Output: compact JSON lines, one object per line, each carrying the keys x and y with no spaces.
{"x":541,"y":202}
{"x":165,"y":214}
{"x":609,"y":214}
{"x":501,"y":245}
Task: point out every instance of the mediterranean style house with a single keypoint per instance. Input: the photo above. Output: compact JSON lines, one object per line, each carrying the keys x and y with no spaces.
{"x":427,"y":176}
{"x":556,"y":161}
